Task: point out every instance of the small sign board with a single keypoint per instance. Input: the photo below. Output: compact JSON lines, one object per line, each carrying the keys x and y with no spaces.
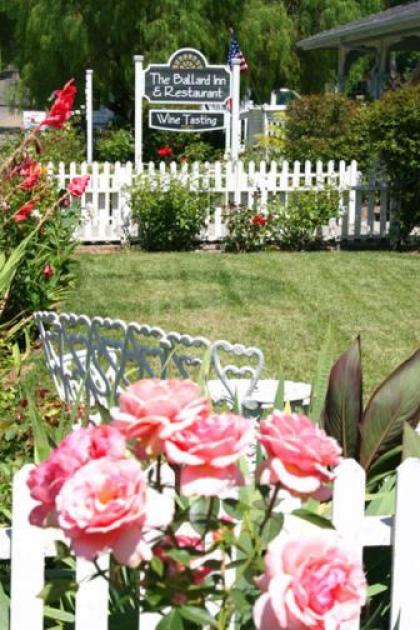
{"x":32,"y":118}
{"x":186,"y":120}
{"x":187,"y":78}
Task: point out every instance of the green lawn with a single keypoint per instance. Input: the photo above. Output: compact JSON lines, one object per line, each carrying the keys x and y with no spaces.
{"x":279,"y":302}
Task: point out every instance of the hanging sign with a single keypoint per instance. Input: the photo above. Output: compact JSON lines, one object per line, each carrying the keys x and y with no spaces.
{"x":186,"y":120}
{"x":187,"y":78}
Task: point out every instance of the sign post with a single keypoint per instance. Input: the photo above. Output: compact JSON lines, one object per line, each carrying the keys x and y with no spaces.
{"x":186,"y":79}
{"x":89,"y":115}
{"x":138,"y":110}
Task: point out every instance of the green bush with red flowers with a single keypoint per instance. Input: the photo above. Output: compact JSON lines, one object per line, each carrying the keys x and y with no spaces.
{"x":37,"y":221}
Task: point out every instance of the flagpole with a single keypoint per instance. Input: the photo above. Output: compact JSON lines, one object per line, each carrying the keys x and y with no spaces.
{"x":138,"y":110}
{"x":235,"y":126}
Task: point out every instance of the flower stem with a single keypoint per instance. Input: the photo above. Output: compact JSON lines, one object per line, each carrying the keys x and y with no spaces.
{"x":269,"y":508}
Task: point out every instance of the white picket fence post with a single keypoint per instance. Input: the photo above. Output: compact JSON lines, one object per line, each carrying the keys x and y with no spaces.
{"x":27,"y":556}
{"x":30,"y":546}
{"x":106,"y":210}
{"x":405,"y":602}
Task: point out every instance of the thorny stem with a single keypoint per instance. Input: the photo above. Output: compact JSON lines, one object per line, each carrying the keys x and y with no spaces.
{"x":269,"y":508}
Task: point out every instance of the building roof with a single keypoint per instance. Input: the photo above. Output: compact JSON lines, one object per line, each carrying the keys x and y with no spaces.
{"x":400,"y":20}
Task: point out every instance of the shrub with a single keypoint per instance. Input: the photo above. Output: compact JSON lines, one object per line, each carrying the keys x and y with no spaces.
{"x":298,"y":223}
{"x":57,"y":145}
{"x":319,"y":127}
{"x":389,"y":135}
{"x":168,"y":214}
{"x":248,"y":230}
{"x":36,"y":224}
{"x":115,"y":145}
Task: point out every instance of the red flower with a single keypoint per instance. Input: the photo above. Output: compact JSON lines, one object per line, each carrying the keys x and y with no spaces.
{"x":164,"y":152}
{"x":61,"y":109}
{"x":48,"y":271}
{"x":24,"y":212}
{"x":32,"y":173}
{"x":78,"y":185}
{"x":259,"y":219}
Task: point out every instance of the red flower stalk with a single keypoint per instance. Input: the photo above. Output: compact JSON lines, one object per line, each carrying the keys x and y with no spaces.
{"x":24,"y":212}
{"x":164,"y":152}
{"x":78,"y":185}
{"x":259,"y":219}
{"x":32,"y":172}
{"x":62,"y":107}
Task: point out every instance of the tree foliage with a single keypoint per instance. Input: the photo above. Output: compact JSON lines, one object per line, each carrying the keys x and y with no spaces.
{"x":48,"y":41}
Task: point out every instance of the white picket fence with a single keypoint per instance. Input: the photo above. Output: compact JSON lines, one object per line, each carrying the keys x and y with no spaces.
{"x":364,"y":210}
{"x":27,"y":547}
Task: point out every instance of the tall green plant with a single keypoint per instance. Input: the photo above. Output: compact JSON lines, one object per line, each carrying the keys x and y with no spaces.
{"x":371,"y":435}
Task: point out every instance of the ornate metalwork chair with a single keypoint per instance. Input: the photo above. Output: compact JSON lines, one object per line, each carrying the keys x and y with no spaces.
{"x":102,"y":355}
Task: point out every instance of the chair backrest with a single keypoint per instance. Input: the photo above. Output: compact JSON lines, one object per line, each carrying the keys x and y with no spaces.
{"x":66,"y":341}
{"x":102,"y":355}
{"x":229,"y":360}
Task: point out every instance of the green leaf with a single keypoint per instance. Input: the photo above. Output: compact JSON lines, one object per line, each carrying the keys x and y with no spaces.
{"x":58,"y":615}
{"x":273,"y":527}
{"x":179,"y":555}
{"x":321,"y":379}
{"x":197,"y":615}
{"x":343,"y":405}
{"x":411,"y":442}
{"x":41,"y":443}
{"x":313,"y":518}
{"x":396,"y":400}
{"x":384,"y":502}
{"x":375,"y":589}
{"x":173,"y":621}
{"x":157,"y":565}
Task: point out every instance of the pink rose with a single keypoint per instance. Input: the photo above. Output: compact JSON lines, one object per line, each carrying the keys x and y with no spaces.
{"x":208,"y":449}
{"x":78,"y":185}
{"x":309,"y":582}
{"x":45,"y":481}
{"x":151,"y":410}
{"x":106,"y":505}
{"x":299,"y":455}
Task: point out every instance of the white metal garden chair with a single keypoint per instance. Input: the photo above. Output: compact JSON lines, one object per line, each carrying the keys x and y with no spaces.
{"x":101,"y":355}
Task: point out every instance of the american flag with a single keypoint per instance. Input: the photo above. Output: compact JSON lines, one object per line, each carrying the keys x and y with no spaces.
{"x":236,"y":53}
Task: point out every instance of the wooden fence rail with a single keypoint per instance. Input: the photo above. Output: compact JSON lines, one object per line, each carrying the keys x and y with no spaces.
{"x":27,"y":547}
{"x":364,"y":208}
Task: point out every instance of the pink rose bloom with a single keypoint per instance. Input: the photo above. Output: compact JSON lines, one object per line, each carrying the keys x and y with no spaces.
{"x":106,"y":506}
{"x":309,"y":582}
{"x":78,"y":185}
{"x":208,"y":449}
{"x":152,"y":409}
{"x":45,"y":481}
{"x":299,"y":455}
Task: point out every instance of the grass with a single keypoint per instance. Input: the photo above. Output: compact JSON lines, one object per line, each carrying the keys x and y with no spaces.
{"x":279,"y":302}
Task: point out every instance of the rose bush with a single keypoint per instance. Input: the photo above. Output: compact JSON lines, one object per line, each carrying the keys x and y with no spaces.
{"x":102,"y":486}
